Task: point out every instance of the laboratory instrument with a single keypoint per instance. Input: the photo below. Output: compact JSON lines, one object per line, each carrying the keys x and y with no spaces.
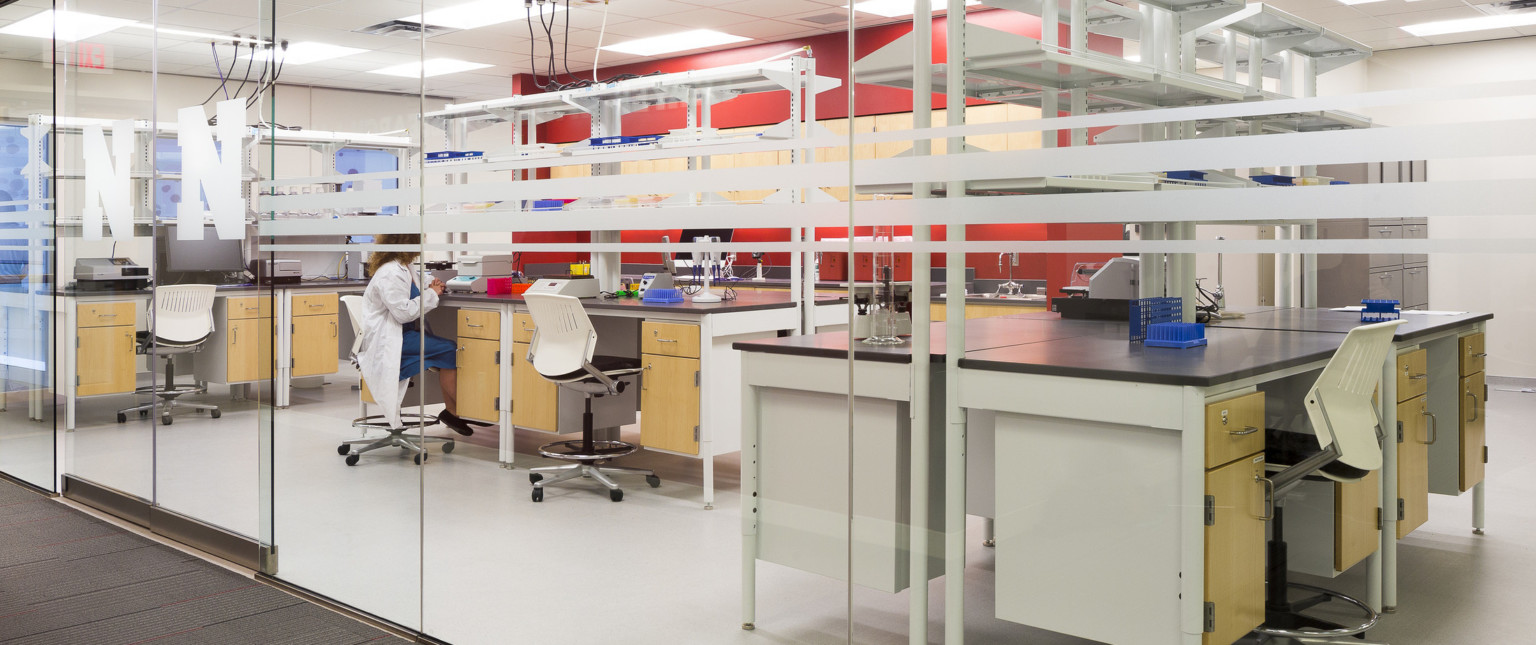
{"x":110,"y":274}
{"x":578,"y":286}
{"x":475,"y":269}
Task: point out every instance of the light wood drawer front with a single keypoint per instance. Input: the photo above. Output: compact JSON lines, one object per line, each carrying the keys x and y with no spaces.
{"x":1412,"y":374}
{"x":105,"y":314}
{"x":1473,"y":354}
{"x":315,"y":304}
{"x":1234,"y":548}
{"x":669,"y":339}
{"x":485,"y":325}
{"x":522,"y":328}
{"x":248,"y":307}
{"x":1474,"y":430}
{"x":1234,"y":428}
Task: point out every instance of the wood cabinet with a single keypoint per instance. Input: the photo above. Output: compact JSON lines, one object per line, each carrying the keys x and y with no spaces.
{"x":479,"y":363}
{"x":315,"y":334}
{"x":535,"y":401}
{"x":479,"y":379}
{"x":1473,"y":354}
{"x":240,"y":349}
{"x":1473,"y":426}
{"x":1413,"y":441}
{"x":973,"y":310}
{"x":104,"y":349}
{"x":1356,"y":531}
{"x":669,"y":339}
{"x":1234,"y":549}
{"x":669,"y":403}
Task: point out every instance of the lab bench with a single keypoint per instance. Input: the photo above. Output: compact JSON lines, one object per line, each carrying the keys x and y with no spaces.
{"x":689,"y":400}
{"x":1102,"y":488}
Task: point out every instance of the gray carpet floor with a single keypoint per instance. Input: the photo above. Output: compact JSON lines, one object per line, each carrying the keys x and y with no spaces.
{"x":67,"y":578}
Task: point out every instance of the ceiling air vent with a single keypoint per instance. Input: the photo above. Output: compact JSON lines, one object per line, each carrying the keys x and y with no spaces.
{"x":827,"y":18}
{"x":1518,"y":6}
{"x":405,"y":29}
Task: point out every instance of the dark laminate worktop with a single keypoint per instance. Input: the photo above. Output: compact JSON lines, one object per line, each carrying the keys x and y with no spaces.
{"x":1230,"y":355}
{"x":980,"y":334}
{"x":745,"y":301}
{"x":1340,"y":322}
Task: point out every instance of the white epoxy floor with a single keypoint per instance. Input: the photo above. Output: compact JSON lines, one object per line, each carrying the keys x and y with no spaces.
{"x":657,"y":568}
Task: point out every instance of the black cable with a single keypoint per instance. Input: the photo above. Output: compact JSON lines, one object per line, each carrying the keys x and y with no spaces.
{"x":276,"y":74}
{"x":222,"y":84}
{"x":248,"y":63}
{"x":533,"y":68}
{"x":565,"y":59}
{"x":549,"y":37}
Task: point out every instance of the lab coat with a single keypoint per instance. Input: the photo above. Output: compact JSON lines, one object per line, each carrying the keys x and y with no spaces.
{"x":387,"y":306}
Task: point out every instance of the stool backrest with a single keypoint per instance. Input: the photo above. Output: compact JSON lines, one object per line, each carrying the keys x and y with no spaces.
{"x":183,"y":312}
{"x":354,"y":305}
{"x":563,"y":337}
{"x":1339,"y":403}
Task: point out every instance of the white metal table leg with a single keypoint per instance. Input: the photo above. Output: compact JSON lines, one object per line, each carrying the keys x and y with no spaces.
{"x":988,"y":534}
{"x":1478,"y":500}
{"x":1389,"y":490}
{"x":749,"y":505}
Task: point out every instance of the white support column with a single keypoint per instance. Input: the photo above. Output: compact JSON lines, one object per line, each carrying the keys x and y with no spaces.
{"x":954,"y":350}
{"x":921,"y":458}
{"x":1229,"y":56}
{"x":1078,"y":31}
{"x":606,"y":121}
{"x":1285,"y":272}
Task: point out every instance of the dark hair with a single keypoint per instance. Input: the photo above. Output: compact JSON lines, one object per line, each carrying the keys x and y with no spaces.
{"x":380,"y":258}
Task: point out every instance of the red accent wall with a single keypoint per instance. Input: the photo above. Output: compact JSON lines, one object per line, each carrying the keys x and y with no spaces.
{"x":831,"y":53}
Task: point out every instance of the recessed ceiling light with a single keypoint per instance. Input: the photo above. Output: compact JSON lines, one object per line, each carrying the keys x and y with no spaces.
{"x":681,"y":41}
{"x":481,"y":13}
{"x":433,"y":67}
{"x":898,"y":8}
{"x":1471,"y":24}
{"x":67,"y":26}
{"x":312,"y":52}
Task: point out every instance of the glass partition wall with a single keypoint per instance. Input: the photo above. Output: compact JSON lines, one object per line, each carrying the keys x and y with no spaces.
{"x":858,"y":279}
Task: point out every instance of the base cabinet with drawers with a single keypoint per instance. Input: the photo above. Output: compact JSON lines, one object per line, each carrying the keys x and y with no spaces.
{"x":478,"y":358}
{"x":669,"y":386}
{"x":1472,"y":427}
{"x":316,"y":334}
{"x":243,"y":328}
{"x":1234,"y":518}
{"x":104,"y":348}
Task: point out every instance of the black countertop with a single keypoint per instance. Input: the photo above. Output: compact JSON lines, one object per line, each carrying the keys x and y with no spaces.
{"x":1340,"y":322}
{"x":1230,"y":355}
{"x":745,"y":301}
{"x":980,"y":334}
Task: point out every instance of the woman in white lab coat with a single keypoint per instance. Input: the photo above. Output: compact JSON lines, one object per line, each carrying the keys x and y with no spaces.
{"x":393,"y":335}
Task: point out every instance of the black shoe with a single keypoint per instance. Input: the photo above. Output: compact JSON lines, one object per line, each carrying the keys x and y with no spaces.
{"x":455,"y":423}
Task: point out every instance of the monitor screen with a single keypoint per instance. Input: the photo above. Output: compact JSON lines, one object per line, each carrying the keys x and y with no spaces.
{"x":688,"y":235}
{"x":208,"y":254}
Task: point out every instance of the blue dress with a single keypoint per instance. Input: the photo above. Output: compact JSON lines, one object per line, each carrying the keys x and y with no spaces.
{"x":439,"y":351}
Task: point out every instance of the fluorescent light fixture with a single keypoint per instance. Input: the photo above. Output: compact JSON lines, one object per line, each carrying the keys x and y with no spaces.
{"x":1472,"y":24}
{"x":433,"y":67}
{"x":481,"y":13}
{"x":67,"y":26}
{"x":681,"y":41}
{"x":898,"y":8}
{"x":311,"y":52}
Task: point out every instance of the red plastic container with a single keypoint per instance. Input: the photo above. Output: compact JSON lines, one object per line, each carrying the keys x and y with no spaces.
{"x":498,"y":286}
{"x":519,"y":287}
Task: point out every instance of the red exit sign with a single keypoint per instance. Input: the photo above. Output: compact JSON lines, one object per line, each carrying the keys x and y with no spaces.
{"x":92,"y":56}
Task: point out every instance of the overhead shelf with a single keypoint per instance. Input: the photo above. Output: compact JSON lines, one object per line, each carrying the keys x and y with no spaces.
{"x":722,"y":83}
{"x":1129,"y":182}
{"x":1009,"y":68}
{"x":1277,"y":31}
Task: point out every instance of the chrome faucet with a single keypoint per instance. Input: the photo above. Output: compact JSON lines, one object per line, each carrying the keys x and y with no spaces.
{"x":1010,"y":288}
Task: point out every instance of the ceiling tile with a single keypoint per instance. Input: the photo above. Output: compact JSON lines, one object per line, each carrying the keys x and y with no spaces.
{"x":1433,"y":15}
{"x":1387,"y":33}
{"x":1325,"y":15}
{"x":1392,"y":7}
{"x":1398,"y":43}
{"x":1471,"y":36}
{"x":1355,"y":25}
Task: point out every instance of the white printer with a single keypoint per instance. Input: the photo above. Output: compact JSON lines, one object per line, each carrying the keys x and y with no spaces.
{"x":474,"y":270}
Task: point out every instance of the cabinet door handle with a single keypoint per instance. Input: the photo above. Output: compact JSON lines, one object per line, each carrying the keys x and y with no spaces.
{"x":1479,"y":355}
{"x":1418,"y":377}
{"x":1474,"y":405}
{"x":1244,"y":432}
{"x":644,"y":384}
{"x":1434,"y":428}
{"x":468,"y":324}
{"x":665,"y":340}
{"x":234,"y":336}
{"x":333,"y":329}
{"x":1269,"y":497}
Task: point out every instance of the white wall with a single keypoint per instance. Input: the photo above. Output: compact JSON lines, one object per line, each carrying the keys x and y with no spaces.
{"x":1502,"y":284}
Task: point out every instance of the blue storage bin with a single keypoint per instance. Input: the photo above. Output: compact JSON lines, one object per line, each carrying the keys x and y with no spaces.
{"x":1175,"y":334}
{"x":661,"y":295}
{"x":1380,"y":311}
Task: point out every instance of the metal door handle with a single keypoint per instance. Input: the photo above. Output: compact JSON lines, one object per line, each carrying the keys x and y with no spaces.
{"x":1418,"y":377}
{"x":1474,"y":405}
{"x":234,"y":336}
{"x":1434,"y":428}
{"x":665,"y":340}
{"x":333,"y":329}
{"x":472,"y":325}
{"x":1244,"y":432}
{"x":1479,"y":355}
{"x":1269,"y":497}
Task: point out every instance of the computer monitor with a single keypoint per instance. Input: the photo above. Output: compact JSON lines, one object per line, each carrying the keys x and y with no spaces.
{"x":689,"y":234}
{"x":180,"y":260}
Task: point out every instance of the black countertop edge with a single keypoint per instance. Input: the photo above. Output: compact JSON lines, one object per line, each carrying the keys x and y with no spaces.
{"x":610,"y":305}
{"x":1418,"y":333}
{"x":1412,"y":334}
{"x":872,"y":354}
{"x":1132,"y":377}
